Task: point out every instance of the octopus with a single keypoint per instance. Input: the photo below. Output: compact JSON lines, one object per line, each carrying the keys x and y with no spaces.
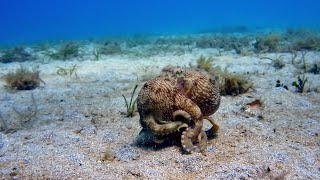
{"x":178,"y":101}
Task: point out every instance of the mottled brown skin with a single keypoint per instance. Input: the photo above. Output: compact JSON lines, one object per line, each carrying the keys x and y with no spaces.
{"x":179,"y":98}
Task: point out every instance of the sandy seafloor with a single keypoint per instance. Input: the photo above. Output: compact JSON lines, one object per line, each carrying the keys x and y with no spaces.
{"x":81,"y":117}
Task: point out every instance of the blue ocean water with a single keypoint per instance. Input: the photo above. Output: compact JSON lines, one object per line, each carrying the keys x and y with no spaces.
{"x":25,"y":21}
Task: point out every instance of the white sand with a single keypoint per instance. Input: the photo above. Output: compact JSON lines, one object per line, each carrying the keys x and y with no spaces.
{"x":81,"y":117}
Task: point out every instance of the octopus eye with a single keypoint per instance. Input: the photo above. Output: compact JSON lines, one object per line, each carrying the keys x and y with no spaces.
{"x":178,"y":71}
{"x":212,"y":81}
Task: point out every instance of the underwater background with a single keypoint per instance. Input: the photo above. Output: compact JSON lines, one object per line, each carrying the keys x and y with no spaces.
{"x":25,"y":21}
{"x":73,"y":74}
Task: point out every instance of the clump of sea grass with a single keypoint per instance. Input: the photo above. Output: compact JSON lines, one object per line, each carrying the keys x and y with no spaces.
{"x":301,"y":39}
{"x":69,"y":50}
{"x":17,"y":54}
{"x":205,"y":63}
{"x":66,"y":51}
{"x":231,"y":84}
{"x":308,"y":43}
{"x":111,"y":48}
{"x":268,"y":43}
{"x":223,"y":42}
{"x":23,"y":79}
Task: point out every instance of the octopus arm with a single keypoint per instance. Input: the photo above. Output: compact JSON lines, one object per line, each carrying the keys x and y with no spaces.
{"x":162,"y":129}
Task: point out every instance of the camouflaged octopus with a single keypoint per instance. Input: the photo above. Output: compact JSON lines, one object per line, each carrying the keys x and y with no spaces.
{"x":180,"y":99}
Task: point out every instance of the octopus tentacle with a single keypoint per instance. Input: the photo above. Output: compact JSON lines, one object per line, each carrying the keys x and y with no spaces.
{"x":163,"y":129}
{"x":215,"y":127}
{"x":186,"y":116}
{"x":193,"y":133}
{"x":193,"y":145}
{"x":202,"y":145}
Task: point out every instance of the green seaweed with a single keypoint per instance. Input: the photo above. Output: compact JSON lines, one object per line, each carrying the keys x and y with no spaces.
{"x":300,"y":84}
{"x":131,"y":106}
{"x":96,"y":54}
{"x":67,"y":71}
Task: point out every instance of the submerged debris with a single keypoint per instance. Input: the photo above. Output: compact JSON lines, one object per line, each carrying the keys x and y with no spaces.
{"x":278,"y":64}
{"x":315,"y":69}
{"x":108,"y":155}
{"x":254,"y":104}
{"x":252,"y":108}
{"x":279,"y":84}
